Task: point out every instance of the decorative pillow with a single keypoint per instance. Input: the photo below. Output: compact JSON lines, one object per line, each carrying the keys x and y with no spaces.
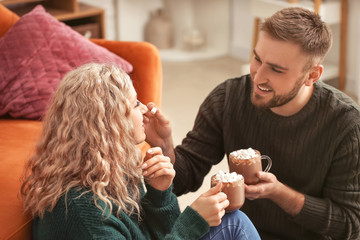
{"x":35,"y":54}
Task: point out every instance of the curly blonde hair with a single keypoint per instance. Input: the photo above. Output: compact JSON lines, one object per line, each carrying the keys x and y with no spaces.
{"x":87,"y":142}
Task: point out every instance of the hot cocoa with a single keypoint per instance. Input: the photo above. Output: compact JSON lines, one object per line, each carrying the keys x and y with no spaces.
{"x":248,"y":162}
{"x":233,"y":187}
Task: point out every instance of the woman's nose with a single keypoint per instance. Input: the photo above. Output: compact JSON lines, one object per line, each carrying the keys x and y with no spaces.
{"x":143,"y":108}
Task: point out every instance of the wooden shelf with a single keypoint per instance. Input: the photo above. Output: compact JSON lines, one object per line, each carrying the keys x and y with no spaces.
{"x":68,"y":11}
{"x":8,"y":2}
{"x":84,"y":11}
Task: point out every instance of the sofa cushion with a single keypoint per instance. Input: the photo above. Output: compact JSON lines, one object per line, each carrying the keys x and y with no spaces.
{"x":35,"y":54}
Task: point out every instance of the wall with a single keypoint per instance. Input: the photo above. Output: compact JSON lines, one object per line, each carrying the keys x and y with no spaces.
{"x":353,"y":49}
{"x":125,"y":19}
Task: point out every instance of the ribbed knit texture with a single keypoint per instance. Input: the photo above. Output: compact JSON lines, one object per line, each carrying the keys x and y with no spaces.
{"x":83,"y":220}
{"x":315,"y":151}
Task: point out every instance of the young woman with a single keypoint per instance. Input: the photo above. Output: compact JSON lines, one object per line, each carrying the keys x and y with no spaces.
{"x":85,"y":179}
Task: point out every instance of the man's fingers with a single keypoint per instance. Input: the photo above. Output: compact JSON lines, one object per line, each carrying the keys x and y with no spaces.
{"x":155,"y":111}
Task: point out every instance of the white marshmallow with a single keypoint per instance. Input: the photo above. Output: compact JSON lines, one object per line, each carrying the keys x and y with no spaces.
{"x":244,"y":153}
{"x":153,"y":110}
{"x":228,"y":177}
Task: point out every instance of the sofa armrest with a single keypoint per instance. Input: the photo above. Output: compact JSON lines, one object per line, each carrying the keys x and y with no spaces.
{"x":17,"y":143}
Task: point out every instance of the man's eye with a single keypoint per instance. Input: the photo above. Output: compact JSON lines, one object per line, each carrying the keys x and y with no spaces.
{"x":257,"y":59}
{"x":137,"y":103}
{"x":275,"y":70}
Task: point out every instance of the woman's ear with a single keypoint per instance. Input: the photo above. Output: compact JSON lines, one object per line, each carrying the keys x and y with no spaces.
{"x":314,"y":74}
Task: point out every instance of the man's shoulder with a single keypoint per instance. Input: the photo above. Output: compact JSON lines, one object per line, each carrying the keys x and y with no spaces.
{"x":232,"y":88}
{"x":239,"y":85}
{"x":337,"y":99}
{"x":338,"y":107}
{"x":243,"y":80}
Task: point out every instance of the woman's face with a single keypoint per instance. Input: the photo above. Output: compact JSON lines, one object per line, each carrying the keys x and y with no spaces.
{"x":136,"y":114}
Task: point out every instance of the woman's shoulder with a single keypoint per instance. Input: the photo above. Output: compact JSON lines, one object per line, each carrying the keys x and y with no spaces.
{"x":69,"y":216}
{"x":77,"y":213}
{"x":76,"y":201}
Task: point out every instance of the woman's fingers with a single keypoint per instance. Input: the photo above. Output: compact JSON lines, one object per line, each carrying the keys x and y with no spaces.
{"x":214,"y":190}
{"x":150,"y":153}
{"x":153,"y":151}
{"x":159,"y":168}
{"x":156,"y":164}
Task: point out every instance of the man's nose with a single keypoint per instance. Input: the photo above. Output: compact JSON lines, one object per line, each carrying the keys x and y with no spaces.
{"x":259,"y":74}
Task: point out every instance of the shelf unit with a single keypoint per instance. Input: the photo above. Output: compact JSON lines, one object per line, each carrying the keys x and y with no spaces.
{"x":83,"y":18}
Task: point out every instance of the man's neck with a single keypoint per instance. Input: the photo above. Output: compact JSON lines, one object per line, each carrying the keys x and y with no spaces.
{"x":296,"y":104}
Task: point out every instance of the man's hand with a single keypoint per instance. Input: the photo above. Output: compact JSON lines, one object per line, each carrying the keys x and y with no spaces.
{"x":269,"y":187}
{"x":264,"y":189}
{"x":158,"y":131}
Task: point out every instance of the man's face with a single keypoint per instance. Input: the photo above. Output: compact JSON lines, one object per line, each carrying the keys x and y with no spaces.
{"x":277,"y":74}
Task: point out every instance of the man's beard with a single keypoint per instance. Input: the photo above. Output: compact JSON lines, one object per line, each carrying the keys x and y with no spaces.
{"x":276,"y":100}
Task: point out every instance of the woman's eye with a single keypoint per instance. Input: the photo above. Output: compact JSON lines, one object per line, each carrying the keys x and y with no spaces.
{"x":137,"y":103}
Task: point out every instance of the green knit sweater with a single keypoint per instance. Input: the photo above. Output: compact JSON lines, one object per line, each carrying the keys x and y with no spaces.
{"x":316,"y":152}
{"x":81,"y":219}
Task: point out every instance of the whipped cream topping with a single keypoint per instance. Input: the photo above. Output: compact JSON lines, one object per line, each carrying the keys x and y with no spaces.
{"x":227,"y":177}
{"x":244,"y":153}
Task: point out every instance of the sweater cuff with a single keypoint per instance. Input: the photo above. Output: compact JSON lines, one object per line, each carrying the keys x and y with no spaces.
{"x":159,"y":198}
{"x":313,"y":213}
{"x":195,"y":225}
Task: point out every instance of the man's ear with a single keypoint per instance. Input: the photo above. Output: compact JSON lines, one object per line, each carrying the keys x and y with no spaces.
{"x":314,"y":74}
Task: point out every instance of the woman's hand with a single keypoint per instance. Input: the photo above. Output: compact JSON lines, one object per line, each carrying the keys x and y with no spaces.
{"x":158,"y":171}
{"x":211,"y":205}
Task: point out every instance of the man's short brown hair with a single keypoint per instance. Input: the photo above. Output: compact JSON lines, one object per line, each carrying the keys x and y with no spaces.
{"x":302,"y":27}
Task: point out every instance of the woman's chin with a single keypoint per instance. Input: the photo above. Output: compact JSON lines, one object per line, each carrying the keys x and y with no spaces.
{"x":140,"y":140}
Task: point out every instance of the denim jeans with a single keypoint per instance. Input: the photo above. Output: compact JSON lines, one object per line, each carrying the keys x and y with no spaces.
{"x":234,"y":225}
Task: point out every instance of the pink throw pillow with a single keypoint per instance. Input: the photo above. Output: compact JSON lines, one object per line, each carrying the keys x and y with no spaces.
{"x":34,"y":56}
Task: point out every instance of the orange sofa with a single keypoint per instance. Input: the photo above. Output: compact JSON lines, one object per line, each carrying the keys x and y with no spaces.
{"x":19,"y":136}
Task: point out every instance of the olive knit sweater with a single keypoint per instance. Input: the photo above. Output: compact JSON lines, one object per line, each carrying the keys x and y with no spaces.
{"x":81,"y":219}
{"x":316,"y":152}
